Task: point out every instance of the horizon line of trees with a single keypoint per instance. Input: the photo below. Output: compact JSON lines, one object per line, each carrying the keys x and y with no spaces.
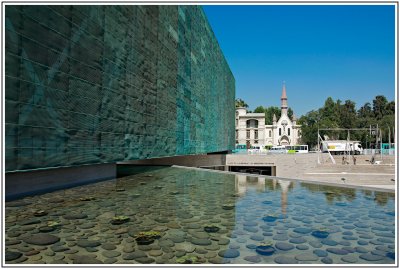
{"x":338,"y":114}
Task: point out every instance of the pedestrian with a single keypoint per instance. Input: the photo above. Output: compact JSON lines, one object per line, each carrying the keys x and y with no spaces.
{"x":343,"y":161}
{"x":354,"y":160}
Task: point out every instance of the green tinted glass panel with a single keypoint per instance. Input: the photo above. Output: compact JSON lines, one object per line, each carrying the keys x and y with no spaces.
{"x":100,"y":84}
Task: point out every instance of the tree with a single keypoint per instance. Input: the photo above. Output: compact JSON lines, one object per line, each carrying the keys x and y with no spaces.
{"x":269,"y":114}
{"x":348,"y":115}
{"x":309,"y":128}
{"x":379,"y":106}
{"x":329,"y":110}
{"x":336,"y":114}
{"x":240,"y":103}
{"x":259,"y":109}
{"x":390,"y":108}
{"x":290,"y":113}
{"x":384,"y":124}
{"x":365,"y":111}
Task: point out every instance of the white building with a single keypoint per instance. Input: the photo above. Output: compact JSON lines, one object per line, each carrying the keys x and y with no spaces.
{"x":251,"y":129}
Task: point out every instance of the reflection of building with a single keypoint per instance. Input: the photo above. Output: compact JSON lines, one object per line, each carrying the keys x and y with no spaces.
{"x":251,"y":128}
{"x":284,"y":190}
{"x":242,"y":182}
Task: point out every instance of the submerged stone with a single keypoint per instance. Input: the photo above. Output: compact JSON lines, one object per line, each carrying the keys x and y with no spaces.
{"x":370,"y":257}
{"x":327,"y":260}
{"x":302,"y":247}
{"x":85,"y":259}
{"x":87,"y":243}
{"x":284,"y":246}
{"x":12,"y":255}
{"x":251,"y":246}
{"x":229,"y":253}
{"x":349,"y":259}
{"x":72,"y":216}
{"x":253,"y":259}
{"x":329,"y":242}
{"x":320,"y":253}
{"x":41,"y":239}
{"x":302,"y":230}
{"x":306,"y":257}
{"x":200,"y":242}
{"x":299,"y":240}
{"x":285,"y":260}
{"x":337,"y":251}
{"x":265,"y":250}
{"x":280,"y":237}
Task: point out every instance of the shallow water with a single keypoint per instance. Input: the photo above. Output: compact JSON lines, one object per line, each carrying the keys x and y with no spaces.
{"x":176,"y":204}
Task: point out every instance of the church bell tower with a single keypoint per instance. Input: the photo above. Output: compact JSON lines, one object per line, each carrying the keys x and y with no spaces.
{"x":284,"y":106}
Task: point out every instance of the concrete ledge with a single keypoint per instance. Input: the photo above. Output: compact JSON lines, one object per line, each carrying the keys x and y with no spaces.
{"x":21,"y":184}
{"x":187,"y":160}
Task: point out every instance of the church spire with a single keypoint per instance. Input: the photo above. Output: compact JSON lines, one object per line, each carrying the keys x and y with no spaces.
{"x":284,"y":105}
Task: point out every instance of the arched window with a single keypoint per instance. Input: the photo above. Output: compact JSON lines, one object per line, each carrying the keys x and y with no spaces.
{"x":280,"y":131}
{"x":252,"y":124}
{"x":288,"y":131}
{"x":270,"y":133}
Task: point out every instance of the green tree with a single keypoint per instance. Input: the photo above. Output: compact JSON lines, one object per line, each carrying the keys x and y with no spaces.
{"x":365,"y":111}
{"x":290,"y":113}
{"x":259,"y":109}
{"x":390,"y":108}
{"x":309,"y":128}
{"x":384,"y":124}
{"x":240,"y":103}
{"x":336,"y":114}
{"x":379,"y":106}
{"x":329,"y":110}
{"x":348,"y":115}
{"x":269,"y":114}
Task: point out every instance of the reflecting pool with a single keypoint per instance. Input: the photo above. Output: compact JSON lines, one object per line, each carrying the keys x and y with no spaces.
{"x":178,"y":215}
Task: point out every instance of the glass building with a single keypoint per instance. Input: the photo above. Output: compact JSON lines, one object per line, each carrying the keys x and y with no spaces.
{"x":90,"y":85}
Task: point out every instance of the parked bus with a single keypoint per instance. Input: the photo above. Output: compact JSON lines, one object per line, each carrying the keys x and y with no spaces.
{"x":278,"y":149}
{"x":297,"y":149}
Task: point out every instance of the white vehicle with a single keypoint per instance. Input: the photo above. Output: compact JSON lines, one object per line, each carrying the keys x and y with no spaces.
{"x":256,"y":149}
{"x":297,"y":149}
{"x":278,"y":149}
{"x":337,"y":147}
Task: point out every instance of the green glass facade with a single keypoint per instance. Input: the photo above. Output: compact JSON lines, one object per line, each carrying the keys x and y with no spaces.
{"x":101,"y":84}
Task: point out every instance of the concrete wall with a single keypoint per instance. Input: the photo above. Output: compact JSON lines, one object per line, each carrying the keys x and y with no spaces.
{"x":19,"y":184}
{"x":190,"y":160}
{"x":283,"y":163}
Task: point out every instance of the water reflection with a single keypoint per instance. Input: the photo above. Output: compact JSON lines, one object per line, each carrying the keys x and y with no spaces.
{"x":244,"y":183}
{"x":338,"y":194}
{"x":202,"y":217}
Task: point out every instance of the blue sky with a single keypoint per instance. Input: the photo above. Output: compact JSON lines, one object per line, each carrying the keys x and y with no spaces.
{"x":346,"y":52}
